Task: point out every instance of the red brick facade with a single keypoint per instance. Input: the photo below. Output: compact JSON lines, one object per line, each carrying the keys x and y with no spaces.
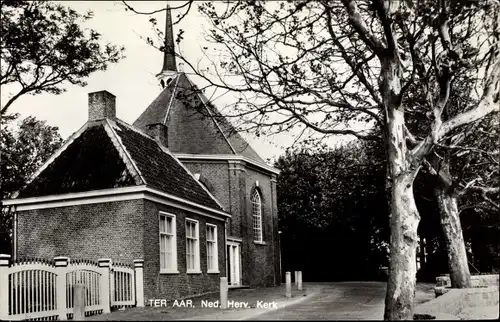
{"x":103,"y":230}
{"x":122,"y":231}
{"x":233,"y":182}
{"x":172,"y":286}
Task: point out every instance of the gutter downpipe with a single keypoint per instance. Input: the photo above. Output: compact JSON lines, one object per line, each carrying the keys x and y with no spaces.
{"x":14,"y":234}
{"x":225,"y":245}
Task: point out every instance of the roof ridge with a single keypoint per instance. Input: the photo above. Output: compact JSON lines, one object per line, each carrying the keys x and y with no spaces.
{"x":55,"y":155}
{"x":132,"y":127}
{"x":171,"y":99}
{"x":121,"y":149}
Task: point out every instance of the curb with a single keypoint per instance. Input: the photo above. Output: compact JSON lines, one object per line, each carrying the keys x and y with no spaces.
{"x":281,"y":306}
{"x":247,"y":314}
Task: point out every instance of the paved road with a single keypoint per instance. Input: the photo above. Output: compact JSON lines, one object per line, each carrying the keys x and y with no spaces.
{"x":336,"y":301}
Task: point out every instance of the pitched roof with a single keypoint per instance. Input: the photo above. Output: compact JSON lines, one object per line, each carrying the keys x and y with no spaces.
{"x":110,"y":154}
{"x":90,"y":162}
{"x":194,"y":125}
{"x":160,"y":169}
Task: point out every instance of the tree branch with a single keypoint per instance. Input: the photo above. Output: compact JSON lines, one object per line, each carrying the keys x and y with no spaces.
{"x":489,"y":103}
{"x":189,"y":3}
{"x":359,"y":25}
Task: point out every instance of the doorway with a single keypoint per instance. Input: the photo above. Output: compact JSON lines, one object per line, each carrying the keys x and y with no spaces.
{"x":233,"y":264}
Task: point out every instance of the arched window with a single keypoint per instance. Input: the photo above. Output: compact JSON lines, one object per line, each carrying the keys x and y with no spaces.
{"x":257,"y":215}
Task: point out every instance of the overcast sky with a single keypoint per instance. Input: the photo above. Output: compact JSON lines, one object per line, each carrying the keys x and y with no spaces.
{"x":132,"y":80}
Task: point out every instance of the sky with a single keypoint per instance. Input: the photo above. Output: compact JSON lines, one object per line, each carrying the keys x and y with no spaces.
{"x":132,"y":80}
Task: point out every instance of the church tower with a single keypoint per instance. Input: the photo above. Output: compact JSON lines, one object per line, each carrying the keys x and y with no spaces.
{"x":209,"y":146}
{"x":169,"y":69}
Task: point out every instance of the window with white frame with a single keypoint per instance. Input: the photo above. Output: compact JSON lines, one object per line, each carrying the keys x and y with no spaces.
{"x":212,"y":254}
{"x":168,"y":243}
{"x":192,"y":247}
{"x":257,"y":215}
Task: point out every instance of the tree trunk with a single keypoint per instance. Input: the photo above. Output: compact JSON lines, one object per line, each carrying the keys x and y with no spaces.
{"x":403,"y":269}
{"x":455,"y":245}
{"x":404,"y":217}
{"x":450,"y":223}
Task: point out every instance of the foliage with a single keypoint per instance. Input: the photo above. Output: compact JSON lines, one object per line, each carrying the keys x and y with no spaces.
{"x":44,"y":46}
{"x":330,"y":198}
{"x":24,"y":150}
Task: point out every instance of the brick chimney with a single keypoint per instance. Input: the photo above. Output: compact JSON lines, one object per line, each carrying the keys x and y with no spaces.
{"x":159,"y":132}
{"x":102,"y":105}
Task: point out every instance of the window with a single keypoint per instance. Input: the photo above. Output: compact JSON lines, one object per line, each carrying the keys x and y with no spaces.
{"x":212,"y":251}
{"x":168,"y":244}
{"x":192,"y":247}
{"x":257,"y":216}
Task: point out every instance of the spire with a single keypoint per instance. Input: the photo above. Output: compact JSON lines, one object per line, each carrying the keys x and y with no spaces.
{"x":169,"y":53}
{"x":169,"y":69}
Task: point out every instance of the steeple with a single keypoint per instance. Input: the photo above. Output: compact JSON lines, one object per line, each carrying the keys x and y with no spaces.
{"x":169,"y":69}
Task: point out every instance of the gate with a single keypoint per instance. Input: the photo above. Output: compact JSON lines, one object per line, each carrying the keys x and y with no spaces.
{"x":92,"y":276}
{"x":122,"y":284}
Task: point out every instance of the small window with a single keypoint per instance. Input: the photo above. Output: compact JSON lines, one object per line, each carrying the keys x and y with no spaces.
{"x":212,"y":251}
{"x":192,"y":247}
{"x":257,"y":216}
{"x":168,"y":244}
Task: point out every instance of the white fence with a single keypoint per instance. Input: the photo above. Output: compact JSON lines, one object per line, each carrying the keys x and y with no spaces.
{"x":41,"y":289}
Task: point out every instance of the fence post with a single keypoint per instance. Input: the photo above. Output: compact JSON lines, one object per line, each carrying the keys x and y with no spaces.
{"x":105,"y":265}
{"x":61,"y":264}
{"x":288,"y":284}
{"x":299,"y":282}
{"x":139,"y":282}
{"x":296,"y":280}
{"x":4,"y":286}
{"x":223,"y":292}
{"x":79,"y":299}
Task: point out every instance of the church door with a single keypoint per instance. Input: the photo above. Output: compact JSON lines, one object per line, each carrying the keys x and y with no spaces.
{"x":233,"y":263}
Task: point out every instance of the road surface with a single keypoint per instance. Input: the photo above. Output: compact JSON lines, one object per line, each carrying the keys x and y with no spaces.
{"x":336,"y":301}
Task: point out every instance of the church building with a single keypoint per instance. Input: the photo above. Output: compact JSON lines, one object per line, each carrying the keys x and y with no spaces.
{"x":179,"y":188}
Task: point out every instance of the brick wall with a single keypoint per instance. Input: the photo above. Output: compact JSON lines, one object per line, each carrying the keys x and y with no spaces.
{"x":172,"y":286}
{"x":225,"y":184}
{"x":261,"y":258}
{"x":216,"y":173}
{"x":232,"y":183}
{"x":105,"y":230}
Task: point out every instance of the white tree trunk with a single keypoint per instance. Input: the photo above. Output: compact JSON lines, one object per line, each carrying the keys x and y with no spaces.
{"x":455,"y":245}
{"x":403,"y":268}
{"x":403,"y":210}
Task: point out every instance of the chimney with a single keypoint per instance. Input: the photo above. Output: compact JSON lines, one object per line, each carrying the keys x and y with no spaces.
{"x":159,"y":132}
{"x":101,"y":105}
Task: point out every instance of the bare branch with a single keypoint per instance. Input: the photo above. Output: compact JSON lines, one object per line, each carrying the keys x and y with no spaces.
{"x":358,"y":23}
{"x":188,"y":4}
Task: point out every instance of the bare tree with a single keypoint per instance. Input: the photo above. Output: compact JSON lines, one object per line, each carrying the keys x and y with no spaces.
{"x":466,"y":172}
{"x":448,"y":164}
{"x":344,"y":67}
